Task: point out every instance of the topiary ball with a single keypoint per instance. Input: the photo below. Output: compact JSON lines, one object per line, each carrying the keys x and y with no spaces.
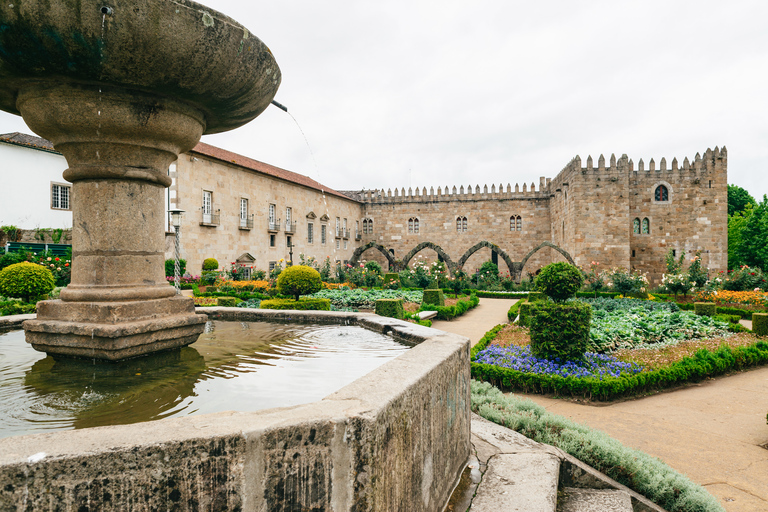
{"x":559,"y":281}
{"x":299,"y":280}
{"x":210,"y":264}
{"x":26,"y":281}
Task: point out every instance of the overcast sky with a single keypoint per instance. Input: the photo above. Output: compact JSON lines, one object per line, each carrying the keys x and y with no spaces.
{"x":427,"y":93}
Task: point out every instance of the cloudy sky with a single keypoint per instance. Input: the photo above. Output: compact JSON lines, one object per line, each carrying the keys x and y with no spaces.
{"x":427,"y":93}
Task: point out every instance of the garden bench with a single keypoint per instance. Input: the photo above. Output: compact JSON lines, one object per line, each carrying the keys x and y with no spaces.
{"x":424,"y":315}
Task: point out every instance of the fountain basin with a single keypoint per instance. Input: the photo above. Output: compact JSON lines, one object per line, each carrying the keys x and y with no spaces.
{"x":395,"y":439}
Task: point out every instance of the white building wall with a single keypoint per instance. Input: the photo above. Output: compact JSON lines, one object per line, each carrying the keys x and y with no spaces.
{"x":26,"y":175}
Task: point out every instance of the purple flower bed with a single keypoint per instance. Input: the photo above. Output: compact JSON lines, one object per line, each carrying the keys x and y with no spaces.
{"x":520,"y":358}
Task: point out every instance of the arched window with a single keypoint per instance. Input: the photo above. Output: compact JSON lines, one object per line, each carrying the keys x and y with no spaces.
{"x":367,"y":226}
{"x":646,"y":226}
{"x":413,"y":225}
{"x":636,"y":226}
{"x":661,"y":194}
{"x":461,"y":224}
{"x":515,"y":223}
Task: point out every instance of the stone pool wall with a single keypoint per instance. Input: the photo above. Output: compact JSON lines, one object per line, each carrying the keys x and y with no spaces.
{"x":395,"y":439}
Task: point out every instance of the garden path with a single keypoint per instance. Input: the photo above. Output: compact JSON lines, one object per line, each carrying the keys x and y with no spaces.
{"x":476,"y":322}
{"x":714,"y":432}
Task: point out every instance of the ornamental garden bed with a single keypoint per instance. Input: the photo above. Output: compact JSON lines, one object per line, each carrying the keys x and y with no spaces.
{"x":636,"y":351}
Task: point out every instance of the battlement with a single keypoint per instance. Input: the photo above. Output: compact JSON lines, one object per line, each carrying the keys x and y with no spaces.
{"x":455,"y":193}
{"x":707,"y":163}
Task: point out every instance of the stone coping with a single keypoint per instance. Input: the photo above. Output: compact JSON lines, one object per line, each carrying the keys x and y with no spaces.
{"x":400,"y":434}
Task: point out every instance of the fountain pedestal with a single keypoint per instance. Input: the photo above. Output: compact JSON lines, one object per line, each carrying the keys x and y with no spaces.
{"x":121,"y":92}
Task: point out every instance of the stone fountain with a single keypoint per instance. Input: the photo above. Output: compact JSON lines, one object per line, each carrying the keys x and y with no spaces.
{"x":121,"y":88}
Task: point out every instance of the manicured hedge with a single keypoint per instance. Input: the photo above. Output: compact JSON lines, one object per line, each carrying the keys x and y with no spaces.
{"x":525,"y":313}
{"x":433,"y":297}
{"x":560,"y":331}
{"x":700,"y":366}
{"x":451,"y":312}
{"x":302,"y":305}
{"x":705,"y":308}
{"x":226,"y":302}
{"x":536,"y":297}
{"x":760,"y":324}
{"x":512,"y":313}
{"x":495,"y":295}
{"x":392,"y":308}
{"x":591,"y":295}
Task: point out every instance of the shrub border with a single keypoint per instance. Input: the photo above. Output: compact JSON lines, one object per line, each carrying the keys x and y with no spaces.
{"x":703,"y":364}
{"x":451,"y":312}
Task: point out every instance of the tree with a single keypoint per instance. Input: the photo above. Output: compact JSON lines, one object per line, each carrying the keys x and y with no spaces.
{"x":559,"y":281}
{"x":299,"y":280}
{"x":752,"y":249}
{"x":738,"y":200}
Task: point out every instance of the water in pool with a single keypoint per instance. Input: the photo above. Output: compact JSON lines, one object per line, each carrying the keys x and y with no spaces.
{"x":234,"y":366}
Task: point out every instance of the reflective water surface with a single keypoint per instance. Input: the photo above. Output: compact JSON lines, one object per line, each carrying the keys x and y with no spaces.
{"x":234,"y":366}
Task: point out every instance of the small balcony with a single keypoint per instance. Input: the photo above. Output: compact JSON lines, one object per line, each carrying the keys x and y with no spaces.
{"x":246,"y":223}
{"x":273,"y":225}
{"x":344,"y":233}
{"x":358,"y":235}
{"x":290,"y":228}
{"x":209,"y":218}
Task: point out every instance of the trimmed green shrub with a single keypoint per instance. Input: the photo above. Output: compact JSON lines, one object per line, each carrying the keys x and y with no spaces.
{"x":305,"y":304}
{"x":392,"y":308}
{"x":560,"y":331}
{"x":733,"y":319}
{"x":208,"y":277}
{"x":759,"y":323}
{"x":536,"y":296}
{"x":435,"y":297}
{"x":210,"y":264}
{"x":525,"y":313}
{"x":26,"y":281}
{"x":559,"y":281}
{"x":391,"y":279}
{"x":10,"y":258}
{"x":299,"y":280}
{"x":451,"y":312}
{"x":170,"y":270}
{"x":211,"y":289}
{"x":743,"y":313}
{"x":16,"y":307}
{"x":705,"y":308}
{"x":226,"y":302}
{"x":512,"y":313}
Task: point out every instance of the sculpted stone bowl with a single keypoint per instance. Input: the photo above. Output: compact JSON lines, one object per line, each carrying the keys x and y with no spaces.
{"x":121,"y":88}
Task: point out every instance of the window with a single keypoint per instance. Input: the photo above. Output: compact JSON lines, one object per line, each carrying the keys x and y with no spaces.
{"x":338,"y":243}
{"x":323,"y":233}
{"x":207,"y":206}
{"x":646,"y":226}
{"x":345,"y":245}
{"x":271,"y":240}
{"x":310,"y":233}
{"x":338,"y":226}
{"x":633,"y":253}
{"x":288,"y":241}
{"x":272,"y":217}
{"x":515,"y":223}
{"x":243,"y":213}
{"x":288,"y":217}
{"x":413,"y":225}
{"x":367,"y":226}
{"x":636,"y":226}
{"x":344,"y":226}
{"x":246,"y":273}
{"x":661,"y":194}
{"x":60,"y":197}
{"x":461,"y":224}
{"x":272,"y":265}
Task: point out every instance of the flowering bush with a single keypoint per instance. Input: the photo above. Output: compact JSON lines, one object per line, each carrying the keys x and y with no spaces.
{"x":205,"y":301}
{"x":336,"y":286}
{"x":754,"y":297}
{"x":251,"y":285}
{"x":365,"y":274}
{"x":595,"y":280}
{"x":744,"y":278}
{"x":61,"y":268}
{"x":596,"y":366}
{"x":697,"y":274}
{"x":677,"y":283}
{"x":625,"y":282}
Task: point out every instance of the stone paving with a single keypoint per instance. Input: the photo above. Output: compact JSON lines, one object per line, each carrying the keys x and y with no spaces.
{"x":714,"y":432}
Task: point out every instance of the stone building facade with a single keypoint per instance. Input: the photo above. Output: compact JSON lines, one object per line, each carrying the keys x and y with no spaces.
{"x":239,"y":210}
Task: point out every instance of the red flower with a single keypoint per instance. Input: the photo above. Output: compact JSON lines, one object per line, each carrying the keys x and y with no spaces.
{"x":66,"y":264}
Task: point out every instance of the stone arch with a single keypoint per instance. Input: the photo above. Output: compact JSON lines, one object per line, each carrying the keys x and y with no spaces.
{"x":429,"y":245}
{"x":373,"y":245}
{"x":541,"y":246}
{"x":498,"y":250}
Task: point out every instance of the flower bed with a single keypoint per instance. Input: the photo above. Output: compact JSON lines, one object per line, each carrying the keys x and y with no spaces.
{"x":753,"y":298}
{"x":365,"y":299}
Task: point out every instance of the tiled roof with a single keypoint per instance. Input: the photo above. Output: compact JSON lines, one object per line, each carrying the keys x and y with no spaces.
{"x":270,"y":170}
{"x":30,"y":141}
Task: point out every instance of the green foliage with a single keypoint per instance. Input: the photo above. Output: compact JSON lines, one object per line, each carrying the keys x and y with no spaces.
{"x":760,"y":324}
{"x":705,"y":308}
{"x":299,"y":280}
{"x":525,"y":313}
{"x":227,"y":302}
{"x":704,"y":364}
{"x":366,"y":299}
{"x":208,"y":277}
{"x":627,"y":283}
{"x":391,"y":281}
{"x":12,"y":233}
{"x":639,"y":471}
{"x":736,"y":225}
{"x":497,"y":295}
{"x":15,"y":307}
{"x":458,"y":281}
{"x":536,"y":297}
{"x":753,"y":250}
{"x":739,"y":200}
{"x":559,"y":281}
{"x":560,"y":331}
{"x":451,"y":312}
{"x":697,"y":274}
{"x":373,"y":266}
{"x":26,"y":281}
{"x":745,"y":279}
{"x":250,"y":303}
{"x":304,"y":304}
{"x":674,"y":266}
{"x":170,"y":264}
{"x":10,"y":258}
{"x":56,"y":235}
{"x":733,"y":319}
{"x":435,"y":297}
{"x":210,"y":264}
{"x":512,"y":313}
{"x":325,"y":269}
{"x":392,"y":308}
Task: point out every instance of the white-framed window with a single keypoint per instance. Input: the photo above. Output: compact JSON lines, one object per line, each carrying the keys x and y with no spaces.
{"x":323,"y":233}
{"x":310,"y":233}
{"x":344,"y":226}
{"x":272,"y":216}
{"x":288,"y":217}
{"x":345,"y":245}
{"x":338,"y":226}
{"x":272,"y":265}
{"x":338,"y":243}
{"x":207,"y":205}
{"x":461,"y":224}
{"x":413,"y":225}
{"x":60,"y":196}
{"x":243,"y":212}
